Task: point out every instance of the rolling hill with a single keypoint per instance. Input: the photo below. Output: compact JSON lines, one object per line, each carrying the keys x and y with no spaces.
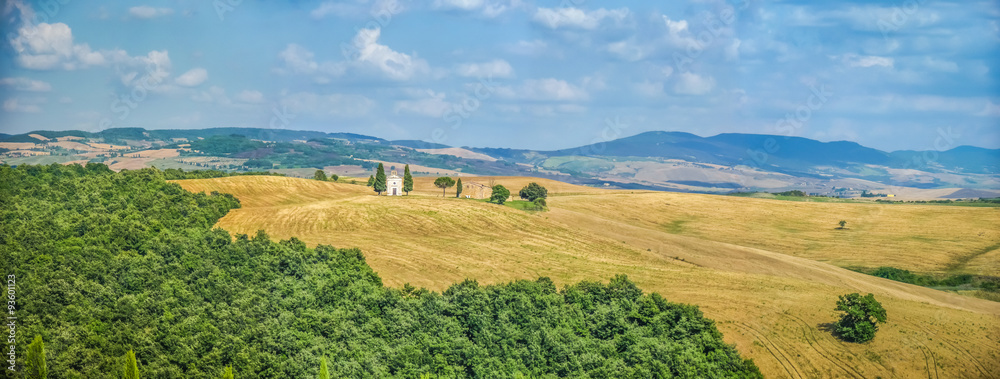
{"x":766,"y":270}
{"x":672,"y":161}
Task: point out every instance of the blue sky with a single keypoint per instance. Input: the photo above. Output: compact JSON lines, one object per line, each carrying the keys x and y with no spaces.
{"x":917,"y":74}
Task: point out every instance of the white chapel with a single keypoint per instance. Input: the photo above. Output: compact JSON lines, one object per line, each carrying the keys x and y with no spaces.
{"x":394,"y":183}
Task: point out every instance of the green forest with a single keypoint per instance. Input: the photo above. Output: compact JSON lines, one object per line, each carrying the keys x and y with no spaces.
{"x":108,"y":263}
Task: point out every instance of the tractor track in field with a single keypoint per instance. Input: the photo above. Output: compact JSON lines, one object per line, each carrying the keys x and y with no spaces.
{"x":777,"y":352}
{"x":810,"y":335}
{"x":985,"y":372}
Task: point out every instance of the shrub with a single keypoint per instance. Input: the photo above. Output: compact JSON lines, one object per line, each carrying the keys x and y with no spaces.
{"x":539,"y":203}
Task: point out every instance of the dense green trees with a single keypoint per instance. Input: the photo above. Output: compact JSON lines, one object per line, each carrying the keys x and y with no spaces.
{"x":444,"y":183}
{"x":371,"y":180}
{"x":178,"y":174}
{"x":379,"y":185}
{"x":500,"y":194}
{"x":111,"y":261}
{"x":861,"y":317}
{"x":407,"y":180}
{"x":533,"y":191}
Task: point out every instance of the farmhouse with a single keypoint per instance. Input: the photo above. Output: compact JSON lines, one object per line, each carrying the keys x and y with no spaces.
{"x":394,"y":183}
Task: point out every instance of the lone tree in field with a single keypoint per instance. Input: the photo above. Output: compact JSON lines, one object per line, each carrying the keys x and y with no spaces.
{"x":34,"y":363}
{"x":371,"y":180}
{"x":444,"y":183}
{"x":334,"y":177}
{"x":842,"y":224}
{"x":861,"y":317}
{"x":500,"y":194}
{"x":320,"y":175}
{"x":407,"y":180}
{"x":533,"y":191}
{"x":379,"y":186}
{"x":458,"y":192}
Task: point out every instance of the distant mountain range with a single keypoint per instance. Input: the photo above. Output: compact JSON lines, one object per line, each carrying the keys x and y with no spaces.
{"x":661,"y":160}
{"x":774,"y":153}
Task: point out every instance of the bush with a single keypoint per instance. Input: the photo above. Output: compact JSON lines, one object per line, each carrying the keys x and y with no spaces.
{"x":861,"y":317}
{"x":539,"y":203}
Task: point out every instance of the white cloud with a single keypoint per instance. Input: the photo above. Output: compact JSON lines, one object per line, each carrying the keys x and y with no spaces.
{"x":855,"y":60}
{"x":336,"y":105}
{"x":534,"y":47}
{"x":25,"y":84}
{"x":250,"y":97}
{"x":678,"y":34}
{"x":434,"y":105}
{"x":990,"y":110}
{"x":497,"y":68}
{"x":693,"y":84}
{"x":50,"y":46}
{"x":628,"y":50}
{"x":16,"y":105}
{"x":544,"y":90}
{"x":213,"y":94}
{"x":732,"y":52}
{"x":569,"y":17}
{"x":364,"y":54}
{"x":488,"y":8}
{"x":391,"y":63}
{"x":147,"y":12}
{"x":335,"y":8}
{"x":192,"y":78}
{"x":648,"y":88}
{"x":940,"y":64}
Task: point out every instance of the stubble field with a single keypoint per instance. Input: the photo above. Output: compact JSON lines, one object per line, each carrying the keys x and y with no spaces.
{"x":765,"y":270}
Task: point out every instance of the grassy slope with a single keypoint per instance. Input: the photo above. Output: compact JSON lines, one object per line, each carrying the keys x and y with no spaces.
{"x":742,"y":260}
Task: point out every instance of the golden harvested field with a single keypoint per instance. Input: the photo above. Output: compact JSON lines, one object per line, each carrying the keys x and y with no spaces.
{"x":17,"y":145}
{"x":761,"y":268}
{"x":459,"y":152}
{"x":158,"y":153}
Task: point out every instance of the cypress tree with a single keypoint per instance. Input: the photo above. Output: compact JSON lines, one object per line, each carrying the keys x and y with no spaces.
{"x":323,"y":373}
{"x":380,"y":184}
{"x":407,"y":180}
{"x":371,"y":180}
{"x":458,"y":192}
{"x":34,"y":363}
{"x":227,"y":373}
{"x":131,"y":368}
